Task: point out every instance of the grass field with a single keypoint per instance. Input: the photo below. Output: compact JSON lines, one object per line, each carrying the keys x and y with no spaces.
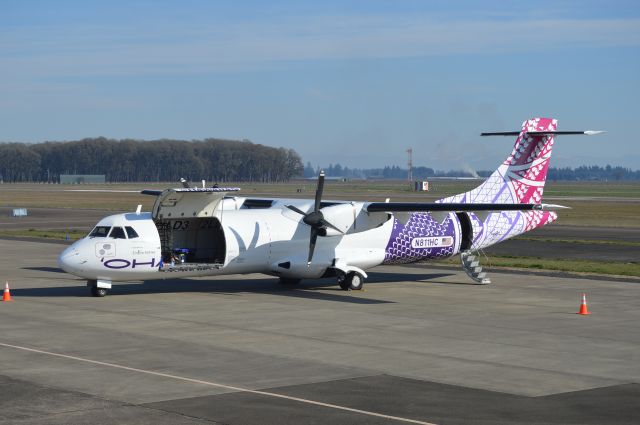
{"x":582,"y":267}
{"x":592,"y":203}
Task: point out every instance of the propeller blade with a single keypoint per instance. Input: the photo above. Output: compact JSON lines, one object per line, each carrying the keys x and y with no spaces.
{"x":327,"y":224}
{"x":298,"y":210}
{"x":319,"y":191}
{"x":312,"y":244}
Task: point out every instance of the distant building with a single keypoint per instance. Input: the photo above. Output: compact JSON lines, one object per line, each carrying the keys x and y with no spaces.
{"x":82,"y":178}
{"x":421,"y":186}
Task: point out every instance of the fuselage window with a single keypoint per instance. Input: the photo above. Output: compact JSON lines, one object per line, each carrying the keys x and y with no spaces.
{"x":117,"y":233}
{"x":100,"y":232}
{"x":131,"y":232}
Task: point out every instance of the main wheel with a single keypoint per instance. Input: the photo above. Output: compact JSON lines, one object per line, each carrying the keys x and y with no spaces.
{"x":355,"y":281}
{"x":343,"y":282}
{"x":98,"y":292}
{"x":289,"y":281}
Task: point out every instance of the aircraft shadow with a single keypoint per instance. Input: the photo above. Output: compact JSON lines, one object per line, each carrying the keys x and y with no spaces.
{"x":45,"y":269}
{"x":381,"y":277}
{"x":306,"y":289}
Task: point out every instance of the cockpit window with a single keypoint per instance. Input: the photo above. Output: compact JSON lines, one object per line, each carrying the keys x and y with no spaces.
{"x":100,"y":232}
{"x":117,"y":233}
{"x":131,"y":232}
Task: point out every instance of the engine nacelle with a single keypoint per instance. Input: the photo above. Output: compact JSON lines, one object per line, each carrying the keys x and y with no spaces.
{"x":342,"y":216}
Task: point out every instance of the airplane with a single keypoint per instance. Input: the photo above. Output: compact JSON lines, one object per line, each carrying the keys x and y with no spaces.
{"x":209,"y":231}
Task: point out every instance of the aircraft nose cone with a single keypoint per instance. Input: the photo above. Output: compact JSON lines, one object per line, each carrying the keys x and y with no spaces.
{"x":69,"y":259}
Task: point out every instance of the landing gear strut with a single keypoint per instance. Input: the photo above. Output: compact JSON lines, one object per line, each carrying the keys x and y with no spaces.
{"x":352,"y":281}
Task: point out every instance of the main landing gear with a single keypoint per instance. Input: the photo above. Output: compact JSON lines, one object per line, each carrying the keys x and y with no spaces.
{"x":352,"y":281}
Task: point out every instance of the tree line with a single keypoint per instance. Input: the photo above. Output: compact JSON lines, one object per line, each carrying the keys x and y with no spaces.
{"x":129,"y":160}
{"x":582,"y":173}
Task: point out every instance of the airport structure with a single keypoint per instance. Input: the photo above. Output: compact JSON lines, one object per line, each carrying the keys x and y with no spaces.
{"x":82,"y":178}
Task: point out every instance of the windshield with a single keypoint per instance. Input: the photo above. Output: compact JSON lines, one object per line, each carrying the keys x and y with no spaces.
{"x":100,"y":232}
{"x":131,"y":232}
{"x":117,"y":233}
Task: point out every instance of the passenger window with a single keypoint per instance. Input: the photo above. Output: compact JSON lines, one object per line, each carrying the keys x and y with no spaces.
{"x":117,"y":233}
{"x":100,"y":232}
{"x":131,"y":232}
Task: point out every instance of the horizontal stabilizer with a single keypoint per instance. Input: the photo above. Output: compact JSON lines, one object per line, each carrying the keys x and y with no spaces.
{"x":455,"y":207}
{"x":545,"y":133}
{"x":553,"y":207}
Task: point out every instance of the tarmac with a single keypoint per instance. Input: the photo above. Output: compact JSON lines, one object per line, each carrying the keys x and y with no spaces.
{"x":418,"y":345}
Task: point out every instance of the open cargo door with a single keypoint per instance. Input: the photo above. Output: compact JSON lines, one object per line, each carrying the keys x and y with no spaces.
{"x":190,"y":227}
{"x":189,"y":202}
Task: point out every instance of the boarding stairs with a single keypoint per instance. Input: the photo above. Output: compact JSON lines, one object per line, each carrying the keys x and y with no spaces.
{"x":471,"y":265}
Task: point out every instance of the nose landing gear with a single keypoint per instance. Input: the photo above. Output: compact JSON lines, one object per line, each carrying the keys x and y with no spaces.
{"x":99,"y":288}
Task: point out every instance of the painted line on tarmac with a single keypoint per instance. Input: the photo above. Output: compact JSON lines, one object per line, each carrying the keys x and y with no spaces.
{"x":213,"y":384}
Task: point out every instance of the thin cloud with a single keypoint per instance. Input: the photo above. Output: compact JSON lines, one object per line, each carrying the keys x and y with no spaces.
{"x":170,"y":49}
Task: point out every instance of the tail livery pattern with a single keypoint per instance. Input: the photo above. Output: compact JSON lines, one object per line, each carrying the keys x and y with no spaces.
{"x":519,"y":179}
{"x":525,"y":170}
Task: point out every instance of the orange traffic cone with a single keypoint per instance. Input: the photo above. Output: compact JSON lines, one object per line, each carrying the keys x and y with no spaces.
{"x":7,"y":295}
{"x":583,"y":306}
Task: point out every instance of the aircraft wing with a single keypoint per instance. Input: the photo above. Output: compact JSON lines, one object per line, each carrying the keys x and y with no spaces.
{"x":454,"y":207}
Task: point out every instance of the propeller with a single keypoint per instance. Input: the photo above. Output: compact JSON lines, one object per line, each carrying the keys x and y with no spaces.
{"x":315,"y":219}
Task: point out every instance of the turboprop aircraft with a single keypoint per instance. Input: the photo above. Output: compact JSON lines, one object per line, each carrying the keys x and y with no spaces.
{"x":210,"y":231}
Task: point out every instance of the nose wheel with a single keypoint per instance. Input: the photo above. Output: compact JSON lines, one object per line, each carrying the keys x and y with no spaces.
{"x":97,"y":291}
{"x":352,"y":281}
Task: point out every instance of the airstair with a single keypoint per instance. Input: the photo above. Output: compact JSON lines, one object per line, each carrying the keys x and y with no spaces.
{"x":471,"y":266}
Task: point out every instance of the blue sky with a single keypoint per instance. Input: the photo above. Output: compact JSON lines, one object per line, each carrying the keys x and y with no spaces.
{"x":349,"y":82}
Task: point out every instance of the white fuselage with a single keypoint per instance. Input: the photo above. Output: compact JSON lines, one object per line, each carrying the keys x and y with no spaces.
{"x":270,"y":241}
